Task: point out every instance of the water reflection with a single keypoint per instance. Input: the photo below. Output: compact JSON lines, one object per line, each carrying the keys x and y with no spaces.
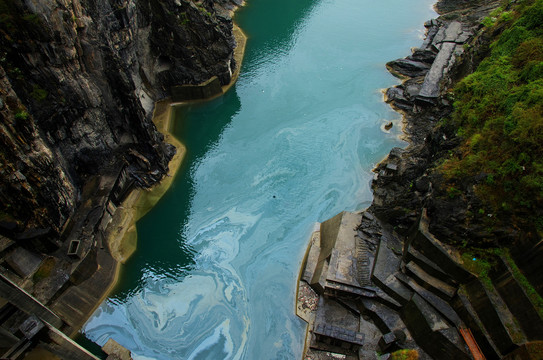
{"x":161,"y":252}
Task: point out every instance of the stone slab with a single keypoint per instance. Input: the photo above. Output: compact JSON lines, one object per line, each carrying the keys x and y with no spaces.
{"x":517,"y":301}
{"x":26,"y":302}
{"x":23,"y":262}
{"x":318,"y":282}
{"x":436,"y":286}
{"x":371,"y":340}
{"x":385,"y":318}
{"x":387,"y":300}
{"x":339,"y":333}
{"x":429,"y":266}
{"x":312,"y":257}
{"x":437,"y":302}
{"x":386,"y":262}
{"x":395,"y":289}
{"x":343,"y":262}
{"x":467,"y":313}
{"x":420,"y":317}
{"x":490,"y":317}
{"x":528,"y":351}
{"x":433,"y":249}
{"x":386,"y":265}
{"x":329,"y":234}
{"x":431,"y":331}
{"x":5,"y":243}
{"x":528,"y":259}
{"x":431,"y":87}
{"x":333,"y":288}
{"x":331,"y":312}
{"x":452,"y":31}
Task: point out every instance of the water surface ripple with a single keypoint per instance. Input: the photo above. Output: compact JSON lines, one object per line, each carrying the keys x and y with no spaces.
{"x":291,"y":144}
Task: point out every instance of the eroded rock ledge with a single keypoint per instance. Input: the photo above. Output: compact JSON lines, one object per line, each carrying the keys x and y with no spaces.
{"x":78,"y":84}
{"x":390,"y":278}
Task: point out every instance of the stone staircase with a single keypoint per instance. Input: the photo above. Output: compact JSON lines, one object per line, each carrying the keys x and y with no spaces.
{"x":419,"y":296}
{"x":438,"y":300}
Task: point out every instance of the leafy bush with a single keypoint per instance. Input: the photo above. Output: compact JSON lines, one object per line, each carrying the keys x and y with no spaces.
{"x":38,"y":93}
{"x":21,"y":115}
{"x":499,"y":111}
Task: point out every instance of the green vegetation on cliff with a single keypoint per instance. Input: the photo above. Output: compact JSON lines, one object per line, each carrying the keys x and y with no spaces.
{"x":499,"y":113}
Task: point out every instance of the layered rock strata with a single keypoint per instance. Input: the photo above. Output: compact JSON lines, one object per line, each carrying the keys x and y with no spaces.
{"x":78,"y":84}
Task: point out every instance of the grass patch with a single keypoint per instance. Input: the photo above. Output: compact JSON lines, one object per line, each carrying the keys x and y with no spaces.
{"x":404,"y":354}
{"x":45,"y":269}
{"x":533,"y":295}
{"x":480,"y":263}
{"x":21,"y":115}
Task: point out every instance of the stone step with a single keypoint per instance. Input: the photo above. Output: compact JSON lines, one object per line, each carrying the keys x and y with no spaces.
{"x":438,"y":303}
{"x":384,"y":299}
{"x":438,"y":287}
{"x":431,"y":332}
{"x":17,"y":351}
{"x":495,"y":317}
{"x":517,"y":300}
{"x":386,"y":264}
{"x":433,"y":249}
{"x":467,"y":313}
{"x":386,"y":319}
{"x":363,"y":261}
{"x":349,"y":305}
{"x":6,"y":311}
{"x":429,"y":266}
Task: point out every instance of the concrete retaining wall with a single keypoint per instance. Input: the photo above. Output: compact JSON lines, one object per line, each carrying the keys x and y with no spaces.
{"x":205,"y":90}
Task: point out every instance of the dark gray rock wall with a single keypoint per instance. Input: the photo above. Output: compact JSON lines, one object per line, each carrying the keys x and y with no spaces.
{"x":79,"y":79}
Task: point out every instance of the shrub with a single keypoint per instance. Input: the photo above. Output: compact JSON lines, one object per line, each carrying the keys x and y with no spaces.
{"x":499,"y":112}
{"x":21,"y":115}
{"x":38,"y":93}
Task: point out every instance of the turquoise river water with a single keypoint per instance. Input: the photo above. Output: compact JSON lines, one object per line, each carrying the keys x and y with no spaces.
{"x":291,"y":144}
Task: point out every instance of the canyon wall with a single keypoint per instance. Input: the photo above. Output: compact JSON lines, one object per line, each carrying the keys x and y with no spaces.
{"x":78,"y":82}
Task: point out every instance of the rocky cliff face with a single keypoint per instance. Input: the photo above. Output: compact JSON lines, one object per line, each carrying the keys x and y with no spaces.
{"x":412,"y":179}
{"x":408,"y":180}
{"x":78,"y":82}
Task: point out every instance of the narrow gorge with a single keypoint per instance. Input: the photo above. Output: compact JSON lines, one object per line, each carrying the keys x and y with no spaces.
{"x":292,"y":152}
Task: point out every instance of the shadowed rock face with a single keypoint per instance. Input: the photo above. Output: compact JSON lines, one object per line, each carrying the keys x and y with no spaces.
{"x":78,"y":82}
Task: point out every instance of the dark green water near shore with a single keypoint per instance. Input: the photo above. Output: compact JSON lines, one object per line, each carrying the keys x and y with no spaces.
{"x":292,"y":143}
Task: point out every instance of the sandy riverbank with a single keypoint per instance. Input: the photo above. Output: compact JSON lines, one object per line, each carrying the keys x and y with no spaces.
{"x":122,"y":240}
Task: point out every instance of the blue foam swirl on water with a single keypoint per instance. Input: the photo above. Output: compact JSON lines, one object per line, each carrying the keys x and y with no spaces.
{"x":299,"y":149}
